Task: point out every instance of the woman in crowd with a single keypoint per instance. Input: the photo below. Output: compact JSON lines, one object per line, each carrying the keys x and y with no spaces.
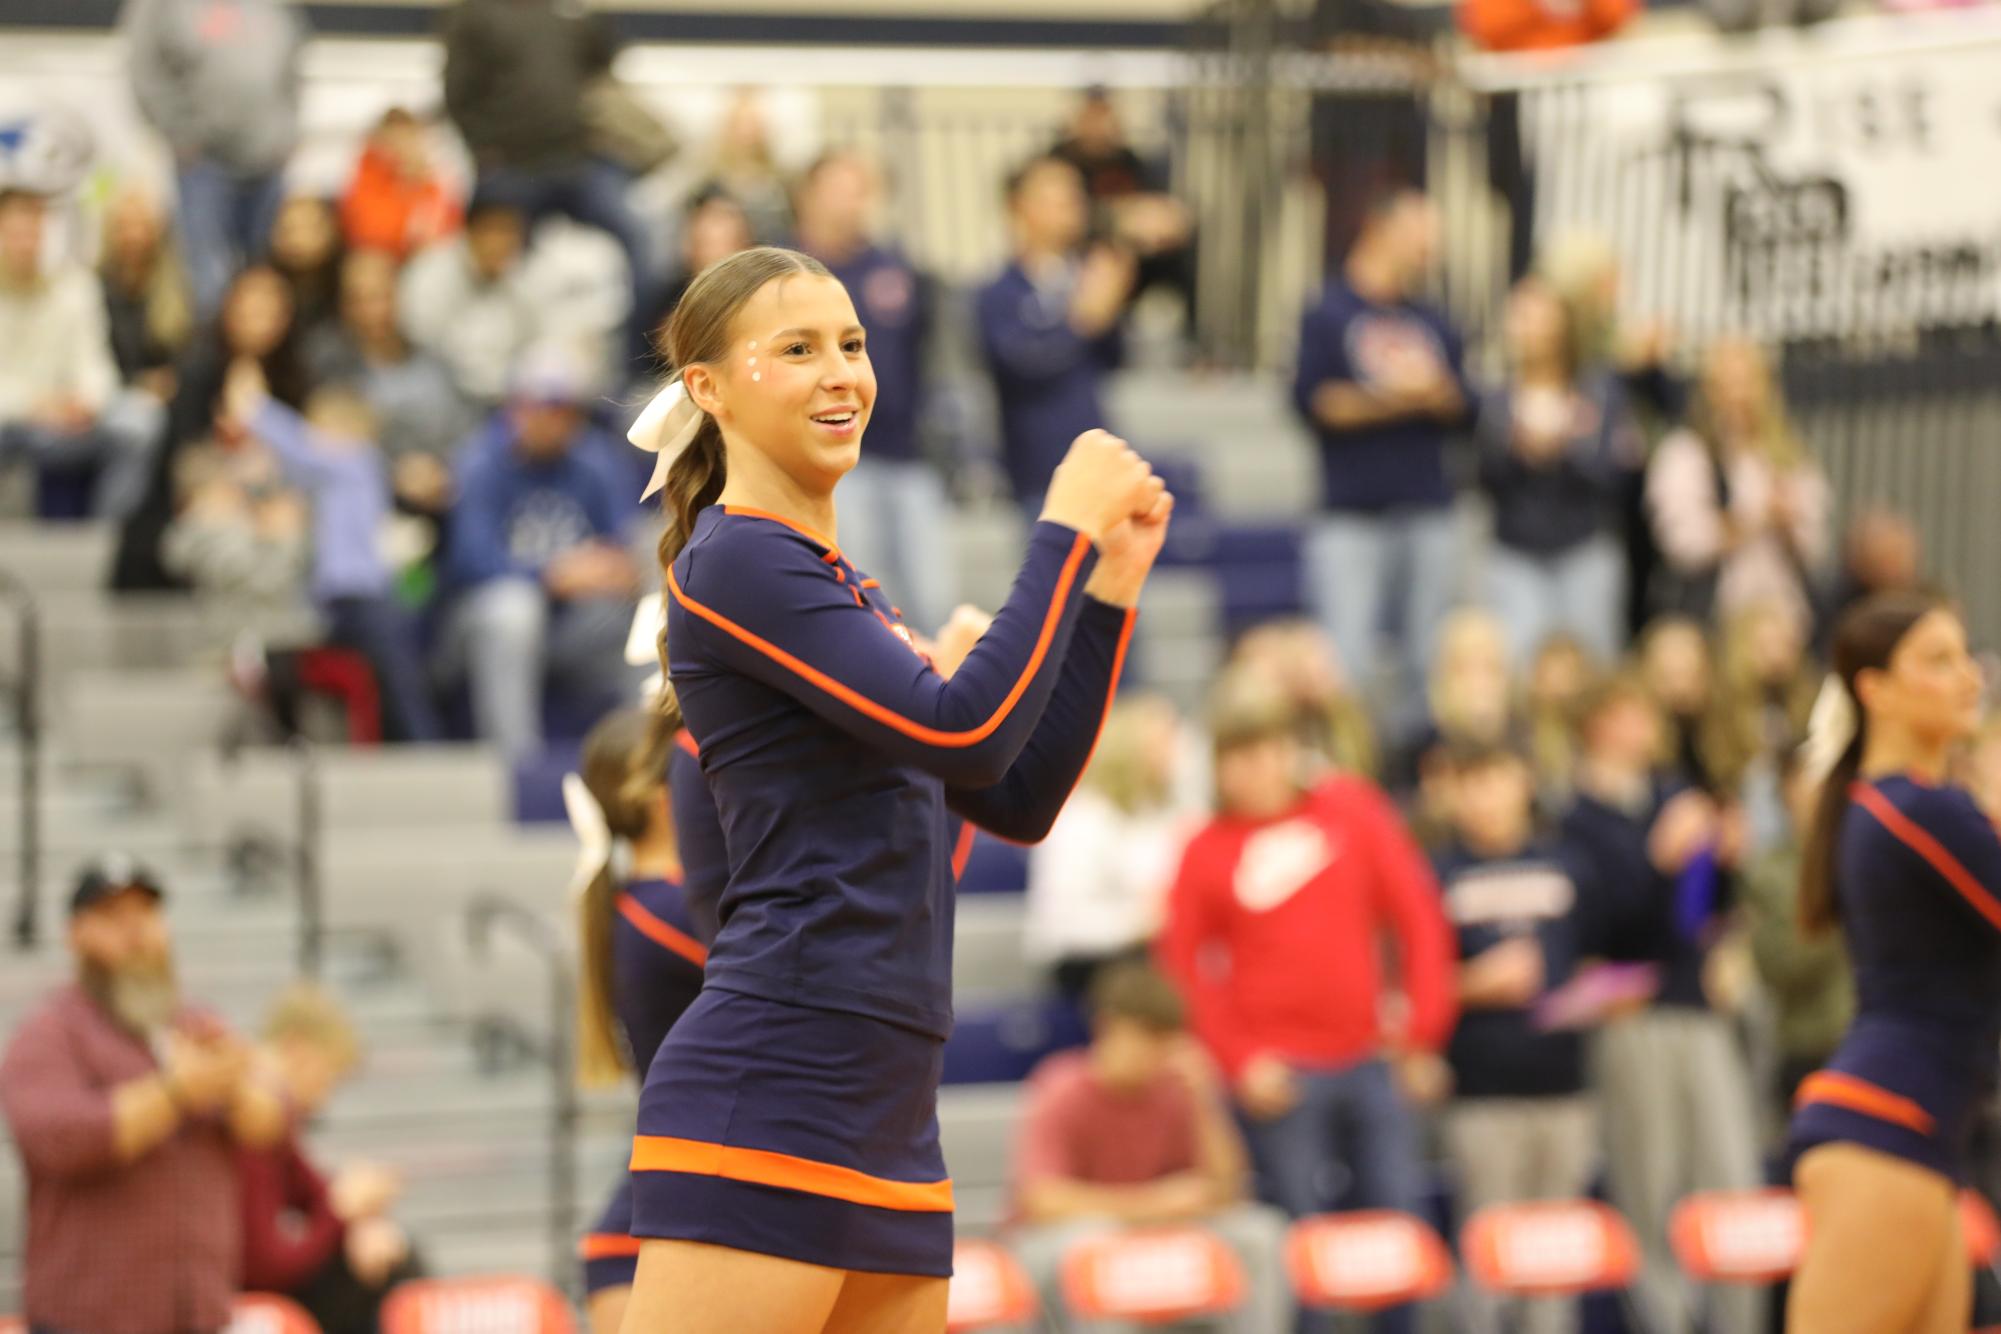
{"x":1739,"y":508}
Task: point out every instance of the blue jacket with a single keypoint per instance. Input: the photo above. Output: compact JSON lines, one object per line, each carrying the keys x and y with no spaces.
{"x":842,"y":765}
{"x":1047,"y":377}
{"x":1391,"y":465}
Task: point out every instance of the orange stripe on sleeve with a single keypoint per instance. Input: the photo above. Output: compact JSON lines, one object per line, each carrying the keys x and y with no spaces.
{"x":607,"y":1246}
{"x":963,"y":853}
{"x":1112,"y":687}
{"x":662,"y":1153}
{"x":1859,"y":1095}
{"x":686,"y":741}
{"x":1919,"y":840}
{"x":668,"y":937}
{"x":867,"y":707}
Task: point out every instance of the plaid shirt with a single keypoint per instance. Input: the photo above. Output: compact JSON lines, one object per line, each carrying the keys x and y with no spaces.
{"x":146,"y":1247}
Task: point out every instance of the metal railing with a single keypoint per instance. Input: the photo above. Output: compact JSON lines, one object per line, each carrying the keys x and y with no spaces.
{"x":487,"y":913}
{"x":28,"y":729}
{"x":306,"y":859}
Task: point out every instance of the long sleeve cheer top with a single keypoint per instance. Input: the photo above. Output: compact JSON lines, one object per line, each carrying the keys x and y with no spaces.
{"x":842,"y":764}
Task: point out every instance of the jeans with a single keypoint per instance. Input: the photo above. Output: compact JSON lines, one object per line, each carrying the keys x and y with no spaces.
{"x":894,"y":527}
{"x":1582,"y":591}
{"x":225,"y":219}
{"x":118,"y":447}
{"x":593,"y":193}
{"x":386,"y":634}
{"x":507,"y":638}
{"x":1352,"y":1142}
{"x":1361,"y":568}
{"x":1256,"y":1233}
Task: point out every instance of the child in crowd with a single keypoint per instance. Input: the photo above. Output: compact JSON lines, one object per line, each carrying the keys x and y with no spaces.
{"x":330,"y":455}
{"x":1521,"y":1125}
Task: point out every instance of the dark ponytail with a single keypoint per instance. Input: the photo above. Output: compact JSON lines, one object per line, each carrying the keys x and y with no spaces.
{"x":624,"y":765}
{"x":1865,"y":639}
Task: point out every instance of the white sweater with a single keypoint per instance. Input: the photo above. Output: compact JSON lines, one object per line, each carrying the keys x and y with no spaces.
{"x":53,"y":341}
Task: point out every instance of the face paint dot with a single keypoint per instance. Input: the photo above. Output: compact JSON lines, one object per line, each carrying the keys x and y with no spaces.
{"x":753,"y":361}
{"x":753,"y":345}
{"x":757,"y":375}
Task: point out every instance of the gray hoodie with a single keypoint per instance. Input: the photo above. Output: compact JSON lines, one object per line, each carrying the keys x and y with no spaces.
{"x":219,"y":79}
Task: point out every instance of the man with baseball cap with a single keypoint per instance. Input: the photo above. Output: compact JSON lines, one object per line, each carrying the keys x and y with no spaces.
{"x":124,"y":1104}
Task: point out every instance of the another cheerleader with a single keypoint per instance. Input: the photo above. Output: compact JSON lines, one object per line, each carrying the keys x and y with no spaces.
{"x":642,"y":950}
{"x":787,"y":1171}
{"x":1910,"y":868}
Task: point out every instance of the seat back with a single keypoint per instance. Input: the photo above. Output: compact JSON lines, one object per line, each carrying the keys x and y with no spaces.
{"x":1554,"y":1248}
{"x":1980,"y":1228}
{"x":494,"y":1305}
{"x":1366,"y":1260}
{"x":1152,"y":1275}
{"x":268,"y":1313}
{"x":1738,"y":1236}
{"x":989,"y":1289}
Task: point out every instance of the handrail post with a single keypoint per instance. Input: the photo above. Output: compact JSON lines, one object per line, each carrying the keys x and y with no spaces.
{"x":28,"y":726}
{"x":306,"y":860}
{"x":486,"y":911}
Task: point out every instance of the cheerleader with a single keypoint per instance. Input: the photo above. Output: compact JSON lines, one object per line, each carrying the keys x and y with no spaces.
{"x":1910,"y":868}
{"x":642,"y":950}
{"x":787,"y":1174}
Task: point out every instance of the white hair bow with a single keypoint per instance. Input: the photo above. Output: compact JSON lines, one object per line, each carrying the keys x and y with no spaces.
{"x":642,"y":644}
{"x":593,"y":834}
{"x":1829,"y":729}
{"x":665,"y":427}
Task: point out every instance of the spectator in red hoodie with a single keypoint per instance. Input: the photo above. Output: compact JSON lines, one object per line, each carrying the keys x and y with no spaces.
{"x":1272,"y":930}
{"x":328,"y":1245}
{"x":396,"y":200}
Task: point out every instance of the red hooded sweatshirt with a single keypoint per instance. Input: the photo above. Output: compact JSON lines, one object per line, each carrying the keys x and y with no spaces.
{"x":1273,"y":929}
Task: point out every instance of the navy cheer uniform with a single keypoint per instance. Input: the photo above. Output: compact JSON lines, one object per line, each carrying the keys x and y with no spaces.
{"x":1918,"y":877}
{"x":658,"y":946}
{"x":793,"y":1111}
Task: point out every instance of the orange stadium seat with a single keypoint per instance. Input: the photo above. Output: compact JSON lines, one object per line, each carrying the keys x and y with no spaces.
{"x":1366,"y":1260}
{"x":1153,"y":1276}
{"x":12,"y":1324}
{"x":499,"y":1305}
{"x":267,"y":1313}
{"x":989,"y":1289}
{"x":1738,"y":1236}
{"x":1552,"y":1249}
{"x":1979,"y":1226}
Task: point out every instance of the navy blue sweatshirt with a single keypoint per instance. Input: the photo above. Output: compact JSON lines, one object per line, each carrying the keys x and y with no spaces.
{"x":1391,"y":465}
{"x":838,"y":758}
{"x":656,"y":964}
{"x":1497,"y":1053}
{"x":514,"y":516}
{"x":893,"y":302}
{"x":1631,"y":903}
{"x":1545,"y":509}
{"x":1047,"y":377}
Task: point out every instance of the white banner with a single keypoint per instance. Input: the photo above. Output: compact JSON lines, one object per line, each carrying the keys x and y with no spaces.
{"x":1835,"y":180}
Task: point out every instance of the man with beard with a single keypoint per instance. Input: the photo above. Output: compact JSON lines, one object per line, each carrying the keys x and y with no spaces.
{"x":125,"y":1105}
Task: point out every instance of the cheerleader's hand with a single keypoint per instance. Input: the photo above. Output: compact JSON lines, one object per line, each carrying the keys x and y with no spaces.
{"x":948,"y":651}
{"x":1127,"y":552}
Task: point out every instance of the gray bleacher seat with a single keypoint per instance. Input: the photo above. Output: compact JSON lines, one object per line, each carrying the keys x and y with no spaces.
{"x":987,"y":959}
{"x":256,"y":791}
{"x":58,"y":558}
{"x":977,"y":1125}
{"x":149,"y":721}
